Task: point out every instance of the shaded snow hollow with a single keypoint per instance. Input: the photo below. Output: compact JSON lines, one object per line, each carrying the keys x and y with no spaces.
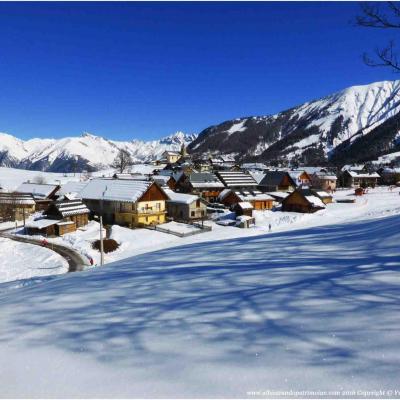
{"x":308,"y":309}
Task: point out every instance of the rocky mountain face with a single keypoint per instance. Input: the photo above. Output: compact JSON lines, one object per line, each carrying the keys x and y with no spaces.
{"x":87,"y":152}
{"x":360,"y":123}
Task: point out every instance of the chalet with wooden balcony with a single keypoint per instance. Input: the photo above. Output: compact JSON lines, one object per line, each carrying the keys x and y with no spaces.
{"x":126,"y":202}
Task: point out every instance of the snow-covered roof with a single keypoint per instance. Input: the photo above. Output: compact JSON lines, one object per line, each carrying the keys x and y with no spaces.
{"x":313,"y":170}
{"x":244,"y":218}
{"x":115,"y":190}
{"x":236,"y":179}
{"x":322,"y":193}
{"x":42,"y":223}
{"x":350,"y":167}
{"x":279,"y":195}
{"x":325,"y":175}
{"x":315,"y":201}
{"x":71,"y":207}
{"x":132,"y":176}
{"x":71,"y":187}
{"x":17,"y":198}
{"x":245,"y":205}
{"x":355,"y":174}
{"x":254,"y":195}
{"x":36,"y":189}
{"x":162,"y":179}
{"x":180,"y":197}
{"x":205,"y":179}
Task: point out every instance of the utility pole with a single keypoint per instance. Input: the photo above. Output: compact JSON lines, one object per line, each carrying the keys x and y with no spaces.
{"x":23,"y":216}
{"x":101,"y":241}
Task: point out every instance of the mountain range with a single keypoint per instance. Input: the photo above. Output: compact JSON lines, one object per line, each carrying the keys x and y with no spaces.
{"x":357,"y":124}
{"x":87,"y":152}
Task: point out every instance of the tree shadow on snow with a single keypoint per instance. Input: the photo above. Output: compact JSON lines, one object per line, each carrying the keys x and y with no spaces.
{"x":323,"y":296}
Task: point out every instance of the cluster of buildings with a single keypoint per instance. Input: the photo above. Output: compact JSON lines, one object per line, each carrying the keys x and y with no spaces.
{"x":180,"y":189}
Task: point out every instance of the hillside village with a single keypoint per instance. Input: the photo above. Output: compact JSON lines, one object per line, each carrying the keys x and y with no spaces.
{"x":182,"y":195}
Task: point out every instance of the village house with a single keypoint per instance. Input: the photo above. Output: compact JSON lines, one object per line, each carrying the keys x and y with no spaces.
{"x":62,"y":216}
{"x":126,"y":202}
{"x":302,"y":201}
{"x":69,"y":209}
{"x":171,"y":157}
{"x":16,"y":206}
{"x":324,"y":181}
{"x":185,"y":207}
{"x":44,"y":227}
{"x":259,"y":200}
{"x":43,"y":194}
{"x":204,"y":184}
{"x":359,"y":179}
{"x":300,"y":177}
{"x":275,"y":181}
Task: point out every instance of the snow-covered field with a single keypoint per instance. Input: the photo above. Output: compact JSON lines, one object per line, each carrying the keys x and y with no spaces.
{"x":11,"y":178}
{"x":24,"y":261}
{"x":307,"y":309}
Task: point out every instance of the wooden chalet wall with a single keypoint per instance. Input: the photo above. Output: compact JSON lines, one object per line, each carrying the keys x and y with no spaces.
{"x":153,"y":193}
{"x":296,"y":202}
{"x":262,"y":204}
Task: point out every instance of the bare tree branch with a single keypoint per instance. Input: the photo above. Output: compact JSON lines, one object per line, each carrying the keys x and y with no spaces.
{"x":381,"y":16}
{"x":384,"y":57}
{"x":374,"y":16}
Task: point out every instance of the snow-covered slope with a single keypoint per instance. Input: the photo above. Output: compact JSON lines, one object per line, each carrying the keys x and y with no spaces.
{"x":222,"y":319}
{"x":87,"y":152}
{"x":312,"y":130}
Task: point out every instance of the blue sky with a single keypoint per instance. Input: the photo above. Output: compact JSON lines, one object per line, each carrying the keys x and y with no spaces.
{"x":145,"y":70}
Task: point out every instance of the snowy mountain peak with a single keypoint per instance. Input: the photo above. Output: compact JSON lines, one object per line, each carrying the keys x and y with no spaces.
{"x":85,"y":152}
{"x":312,"y":132}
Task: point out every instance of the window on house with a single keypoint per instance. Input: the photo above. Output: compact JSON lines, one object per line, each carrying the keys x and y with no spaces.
{"x":192,"y":213}
{"x":198,"y":203}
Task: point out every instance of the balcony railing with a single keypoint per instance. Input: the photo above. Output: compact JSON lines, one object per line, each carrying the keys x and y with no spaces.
{"x":146,"y":211}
